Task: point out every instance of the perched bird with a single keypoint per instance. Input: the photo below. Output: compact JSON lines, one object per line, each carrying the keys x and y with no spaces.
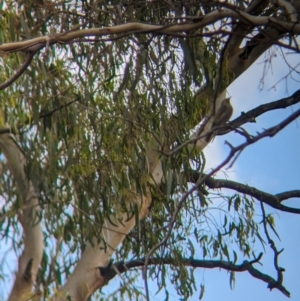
{"x":223,"y":114}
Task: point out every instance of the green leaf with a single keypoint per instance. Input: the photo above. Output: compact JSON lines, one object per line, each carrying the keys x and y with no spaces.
{"x":232,"y":279}
{"x":202,"y":291}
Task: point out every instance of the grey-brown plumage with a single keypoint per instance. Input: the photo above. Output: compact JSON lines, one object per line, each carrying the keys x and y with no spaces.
{"x":223,"y":114}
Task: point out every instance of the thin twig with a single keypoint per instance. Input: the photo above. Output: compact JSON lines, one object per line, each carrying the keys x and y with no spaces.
{"x":20,"y":71}
{"x":279,"y":269}
{"x":234,"y":150}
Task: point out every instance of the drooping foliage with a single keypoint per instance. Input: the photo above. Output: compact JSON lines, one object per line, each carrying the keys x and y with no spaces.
{"x":86,"y":113}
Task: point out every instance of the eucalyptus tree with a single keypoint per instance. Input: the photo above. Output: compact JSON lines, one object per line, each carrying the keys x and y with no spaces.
{"x":106,"y":107}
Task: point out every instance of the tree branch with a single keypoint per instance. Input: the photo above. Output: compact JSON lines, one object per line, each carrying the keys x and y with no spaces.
{"x":279,"y":269}
{"x":112,"y":270}
{"x":20,"y":71}
{"x":271,"y":132}
{"x":200,"y":136}
{"x":251,"y":115}
{"x":42,"y":115}
{"x":136,"y":27}
{"x":29,"y":217}
{"x":87,"y":277}
{"x":288,"y":9}
{"x":267,"y":198}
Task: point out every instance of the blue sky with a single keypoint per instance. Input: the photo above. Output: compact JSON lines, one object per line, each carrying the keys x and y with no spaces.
{"x":272,"y":165}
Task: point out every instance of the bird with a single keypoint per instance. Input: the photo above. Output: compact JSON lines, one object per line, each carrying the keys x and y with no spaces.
{"x":222,"y":115}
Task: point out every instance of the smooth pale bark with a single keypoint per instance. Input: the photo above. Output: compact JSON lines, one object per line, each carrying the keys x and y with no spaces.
{"x":210,"y":18}
{"x":28,"y":216}
{"x":86,"y":278}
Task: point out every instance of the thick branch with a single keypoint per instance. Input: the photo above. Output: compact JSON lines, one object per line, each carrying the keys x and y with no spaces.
{"x":251,"y":115}
{"x":136,"y":27}
{"x":240,"y":31}
{"x":288,"y":8}
{"x":121,"y":267}
{"x":240,"y":59}
{"x":236,"y":151}
{"x":267,"y":198}
{"x":86,"y":278}
{"x":29,"y":218}
{"x":200,"y":136}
